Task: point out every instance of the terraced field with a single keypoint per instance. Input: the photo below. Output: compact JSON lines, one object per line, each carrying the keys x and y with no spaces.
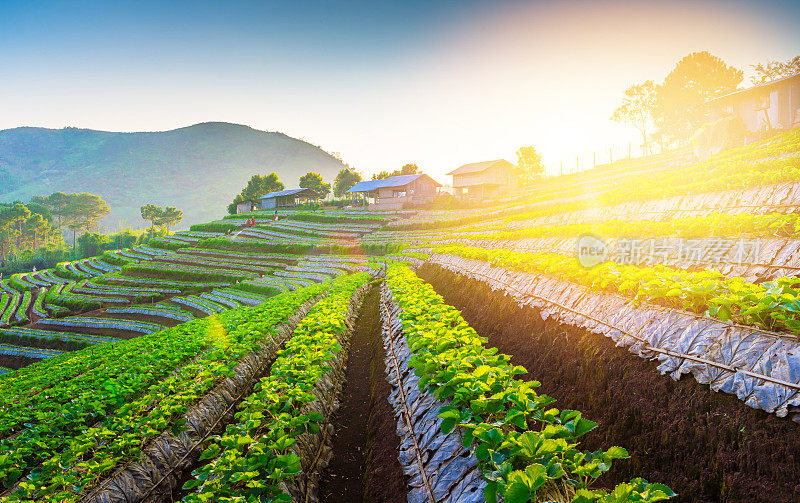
{"x":428,"y":356}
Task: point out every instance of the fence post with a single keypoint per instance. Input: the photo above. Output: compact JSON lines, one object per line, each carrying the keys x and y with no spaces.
{"x":610,"y":156}
{"x":629,"y":150}
{"x":594,"y":159}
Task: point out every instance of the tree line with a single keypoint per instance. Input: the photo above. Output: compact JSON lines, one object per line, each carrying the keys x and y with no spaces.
{"x":163,"y":218}
{"x":260,"y":185}
{"x":32,"y":234}
{"x":42,"y":221}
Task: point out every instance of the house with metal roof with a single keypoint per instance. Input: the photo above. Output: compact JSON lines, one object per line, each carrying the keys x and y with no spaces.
{"x":773,"y":105}
{"x":480,"y":180}
{"x":285,"y":198}
{"x":395,"y":192}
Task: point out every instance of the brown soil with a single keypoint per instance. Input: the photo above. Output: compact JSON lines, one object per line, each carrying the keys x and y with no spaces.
{"x":365,"y":467}
{"x":706,"y":446}
{"x":16,"y":362}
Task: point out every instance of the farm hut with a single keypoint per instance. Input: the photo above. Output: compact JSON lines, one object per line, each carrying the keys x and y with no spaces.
{"x":286,"y":198}
{"x":774,"y":105}
{"x":394,"y":192}
{"x":481,"y":180}
{"x":245,"y":207}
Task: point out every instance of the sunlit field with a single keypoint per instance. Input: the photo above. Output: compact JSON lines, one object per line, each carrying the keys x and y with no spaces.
{"x":534,"y":252}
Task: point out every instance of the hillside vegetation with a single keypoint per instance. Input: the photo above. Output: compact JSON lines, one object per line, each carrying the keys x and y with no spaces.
{"x":198,"y":167}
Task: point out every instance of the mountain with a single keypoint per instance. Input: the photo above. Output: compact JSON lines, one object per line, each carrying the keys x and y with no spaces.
{"x":198,"y":168}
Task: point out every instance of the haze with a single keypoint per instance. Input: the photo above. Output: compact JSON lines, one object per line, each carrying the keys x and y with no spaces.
{"x":381,"y":83}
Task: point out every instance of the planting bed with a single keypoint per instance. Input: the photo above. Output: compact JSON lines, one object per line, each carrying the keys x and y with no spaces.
{"x":706,"y":446}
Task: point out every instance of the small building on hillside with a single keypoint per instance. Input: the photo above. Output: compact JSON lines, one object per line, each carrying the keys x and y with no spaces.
{"x":245,"y":207}
{"x":769,"y":106}
{"x":480,"y":180}
{"x":394,"y":192}
{"x":286,"y":198}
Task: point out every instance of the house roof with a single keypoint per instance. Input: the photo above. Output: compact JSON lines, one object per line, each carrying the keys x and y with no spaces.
{"x":477,"y":167}
{"x":392,"y":181}
{"x":759,"y":86}
{"x":288,"y":192}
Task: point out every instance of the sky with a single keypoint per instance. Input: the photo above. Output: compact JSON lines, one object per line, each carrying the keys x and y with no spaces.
{"x":381,"y":83}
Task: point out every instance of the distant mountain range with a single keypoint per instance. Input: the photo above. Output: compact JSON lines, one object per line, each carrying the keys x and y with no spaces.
{"x":198,"y":168}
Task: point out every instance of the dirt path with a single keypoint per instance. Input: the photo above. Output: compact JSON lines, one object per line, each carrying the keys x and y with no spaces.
{"x":365,"y":465}
{"x":706,"y":446}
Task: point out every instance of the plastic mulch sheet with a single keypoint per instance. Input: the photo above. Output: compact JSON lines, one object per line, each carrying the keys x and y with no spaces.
{"x":439,"y":467}
{"x":761,"y":368}
{"x":765,"y":199}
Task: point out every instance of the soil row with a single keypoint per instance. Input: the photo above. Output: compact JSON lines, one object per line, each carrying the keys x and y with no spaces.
{"x":365,"y":467}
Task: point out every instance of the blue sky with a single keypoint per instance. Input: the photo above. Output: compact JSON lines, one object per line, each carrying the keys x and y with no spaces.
{"x":382,"y":83}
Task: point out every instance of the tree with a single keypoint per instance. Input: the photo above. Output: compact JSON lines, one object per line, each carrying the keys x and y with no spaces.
{"x":407,"y":169}
{"x":58,"y":203}
{"x":84,"y":212}
{"x":260,"y":185}
{"x":75,"y":211}
{"x":91,"y":244}
{"x":161,"y":217}
{"x":529,"y":164}
{"x":345,"y":179}
{"x":256,"y":187}
{"x":150,"y":213}
{"x":17,"y":216}
{"x":637,"y":109}
{"x":772,"y":70}
{"x":23,"y":228}
{"x":679,"y":108}
{"x":315,"y":182}
{"x":36,"y":226}
{"x":232,"y":208}
{"x":170,"y":216}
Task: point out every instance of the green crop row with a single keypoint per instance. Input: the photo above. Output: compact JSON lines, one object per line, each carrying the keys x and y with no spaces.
{"x":252,"y":459}
{"x":114,"y":259}
{"x":297,"y":249}
{"x":525,"y":449}
{"x":773,"y":305}
{"x":305,"y":233}
{"x":336,"y":219}
{"x":88,"y":422}
{"x":167,"y":245}
{"x":73,"y":302}
{"x":213,"y":227}
{"x":183,"y":272}
{"x":716,"y":224}
{"x":772,"y":161}
{"x":8,"y":306}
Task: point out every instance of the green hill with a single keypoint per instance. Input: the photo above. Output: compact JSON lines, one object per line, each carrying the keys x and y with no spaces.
{"x":197,"y":168}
